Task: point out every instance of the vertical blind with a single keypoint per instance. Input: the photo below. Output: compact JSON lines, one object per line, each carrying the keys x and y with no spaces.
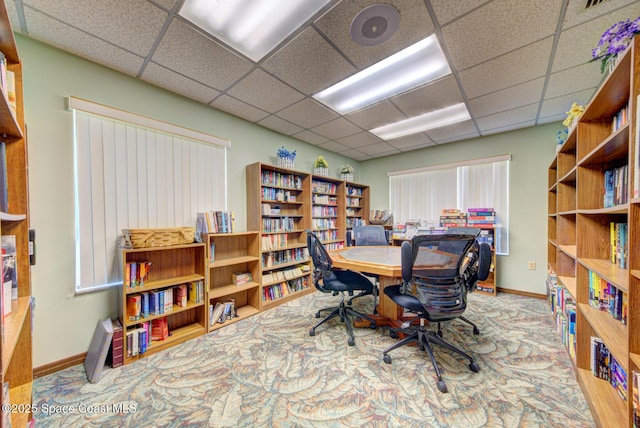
{"x":421,"y":194}
{"x":129,"y":176}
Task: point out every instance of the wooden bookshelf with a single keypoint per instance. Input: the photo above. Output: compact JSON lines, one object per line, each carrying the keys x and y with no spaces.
{"x":356,"y":206}
{"x":581,"y":237}
{"x":279,"y":207}
{"x":16,"y":349}
{"x":170,"y":267}
{"x":229,"y":253}
{"x":328,"y":215}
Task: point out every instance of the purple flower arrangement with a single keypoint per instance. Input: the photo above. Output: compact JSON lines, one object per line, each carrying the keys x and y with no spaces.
{"x":615,"y":40}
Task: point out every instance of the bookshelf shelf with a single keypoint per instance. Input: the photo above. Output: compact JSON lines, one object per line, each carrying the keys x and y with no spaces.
{"x":243,"y":312}
{"x":16,"y":351}
{"x":169,"y":267}
{"x":226,"y":290}
{"x":598,"y":220}
{"x":266,"y":304}
{"x":233,"y":261}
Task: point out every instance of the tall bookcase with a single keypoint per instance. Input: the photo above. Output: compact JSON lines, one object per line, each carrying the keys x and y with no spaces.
{"x":356,"y":205}
{"x":328,"y":214}
{"x":278,"y":205}
{"x":581,"y":238}
{"x":228,"y":254}
{"x":16,"y":347}
{"x":169,"y":267}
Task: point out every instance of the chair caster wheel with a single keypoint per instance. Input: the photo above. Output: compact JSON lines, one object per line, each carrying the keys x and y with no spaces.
{"x":442,"y":386}
{"x":373,"y":326}
{"x":351,"y":342}
{"x":475,"y":330}
{"x":317,"y":314}
{"x":393,"y":334}
{"x":474,"y":367}
{"x":387,"y":359}
{"x":312,"y":332}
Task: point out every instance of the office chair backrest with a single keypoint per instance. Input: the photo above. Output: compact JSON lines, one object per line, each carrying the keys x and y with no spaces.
{"x":322,"y":264}
{"x":370,"y":235}
{"x":432,"y":269}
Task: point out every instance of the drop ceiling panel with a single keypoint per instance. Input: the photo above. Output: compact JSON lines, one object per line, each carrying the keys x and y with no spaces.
{"x":415,"y":25}
{"x":132,"y":25}
{"x":239,"y":108}
{"x":507,"y":70}
{"x":280,"y":125}
{"x":307,"y":113}
{"x":377,"y":115}
{"x":411,"y":142}
{"x":577,"y":13}
{"x":190,"y":53}
{"x":455,"y":131}
{"x":574,"y":80}
{"x":309,"y":63}
{"x":356,"y":154}
{"x":506,"y":119}
{"x":167,"y":4}
{"x":311,"y":137}
{"x":442,"y":93}
{"x":379,"y":149}
{"x":333,"y":146}
{"x":264,"y":91}
{"x":82,"y":44}
{"x":447,"y":10}
{"x":164,"y":78}
{"x":338,"y":128}
{"x":557,"y":107}
{"x":500,"y":26}
{"x":507,"y":99}
{"x":359,"y":140}
{"x":510,"y":127}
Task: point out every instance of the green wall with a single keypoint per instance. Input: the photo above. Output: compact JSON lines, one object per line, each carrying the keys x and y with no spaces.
{"x":51,"y":75}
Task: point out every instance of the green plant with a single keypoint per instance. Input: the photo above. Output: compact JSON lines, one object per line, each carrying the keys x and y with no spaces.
{"x":320,"y":162}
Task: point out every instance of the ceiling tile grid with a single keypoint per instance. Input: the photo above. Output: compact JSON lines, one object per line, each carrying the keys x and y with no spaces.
{"x":515,"y":64}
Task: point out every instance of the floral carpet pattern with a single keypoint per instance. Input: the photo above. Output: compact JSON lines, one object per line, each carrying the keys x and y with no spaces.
{"x":267,"y":371}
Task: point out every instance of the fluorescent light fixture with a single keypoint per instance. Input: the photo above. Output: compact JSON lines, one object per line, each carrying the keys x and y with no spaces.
{"x":252,"y":27}
{"x":416,"y":65}
{"x":434,"y":119}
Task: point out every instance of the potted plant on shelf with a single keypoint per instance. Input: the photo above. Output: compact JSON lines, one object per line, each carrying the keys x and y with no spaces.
{"x":286,"y":159}
{"x":613,"y":42}
{"x":572,"y":116}
{"x":346,"y":172}
{"x":321,"y":166}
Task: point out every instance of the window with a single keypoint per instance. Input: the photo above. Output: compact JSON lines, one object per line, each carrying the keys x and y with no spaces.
{"x":133,"y":172}
{"x":422,"y":193}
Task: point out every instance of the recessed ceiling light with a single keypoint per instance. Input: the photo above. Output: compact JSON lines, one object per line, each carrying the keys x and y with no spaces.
{"x":252,"y":27}
{"x":416,"y":65}
{"x":434,"y":119}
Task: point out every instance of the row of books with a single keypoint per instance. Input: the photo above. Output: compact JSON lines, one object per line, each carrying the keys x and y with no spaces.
{"x":9,"y":272}
{"x":274,"y":241}
{"x":605,"y":366}
{"x":353,"y":202}
{"x":285,"y":274}
{"x":324,"y":187}
{"x":619,"y":242}
{"x":8,"y":83}
{"x":324,"y":200}
{"x":563,"y":307}
{"x":354,"y":222}
{"x":4,"y":183}
{"x":636,"y":399}
{"x":620,"y":119}
{"x":216,"y":222}
{"x":241,"y":278}
{"x":324,"y":223}
{"x":281,"y":195}
{"x":273,"y":178}
{"x":136,"y":274}
{"x":222,"y":311}
{"x":615,"y":186}
{"x":138,"y":339}
{"x":284,"y":256}
{"x":331,"y":246}
{"x":325,"y":236}
{"x":157,"y":302}
{"x":281,"y":224}
{"x":605,"y":297}
{"x":354,"y":191}
{"x":282,"y":289}
{"x":324,"y":211}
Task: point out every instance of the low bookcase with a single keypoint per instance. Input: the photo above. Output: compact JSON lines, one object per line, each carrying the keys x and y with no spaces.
{"x":166,"y":271}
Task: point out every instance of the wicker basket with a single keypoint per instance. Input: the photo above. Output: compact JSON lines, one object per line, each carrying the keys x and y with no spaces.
{"x":145,"y":238}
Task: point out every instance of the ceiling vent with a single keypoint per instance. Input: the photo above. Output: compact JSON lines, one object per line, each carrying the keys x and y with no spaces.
{"x":375,"y":25}
{"x":592,"y":3}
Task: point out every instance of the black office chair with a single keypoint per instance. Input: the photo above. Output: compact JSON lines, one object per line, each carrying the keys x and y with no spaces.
{"x":328,"y":279}
{"x":370,"y":235}
{"x":437,"y":271}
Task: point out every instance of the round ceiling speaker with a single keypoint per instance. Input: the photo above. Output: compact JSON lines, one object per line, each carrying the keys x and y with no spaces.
{"x":375,"y":24}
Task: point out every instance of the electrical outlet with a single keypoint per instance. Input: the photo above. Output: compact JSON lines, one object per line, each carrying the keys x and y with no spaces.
{"x":532,"y":265}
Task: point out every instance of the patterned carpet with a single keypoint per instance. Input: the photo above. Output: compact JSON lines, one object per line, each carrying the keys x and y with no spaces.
{"x":267,"y":371}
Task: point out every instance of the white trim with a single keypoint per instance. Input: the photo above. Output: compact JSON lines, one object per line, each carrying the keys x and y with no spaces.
{"x":147,"y":122}
{"x":498,"y":158}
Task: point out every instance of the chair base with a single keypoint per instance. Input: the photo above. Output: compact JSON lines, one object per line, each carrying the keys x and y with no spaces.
{"x":345,"y":313}
{"x":424,"y":338}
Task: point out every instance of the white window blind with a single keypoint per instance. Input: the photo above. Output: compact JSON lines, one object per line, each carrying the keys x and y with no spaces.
{"x":130,"y":176}
{"x":424,"y":192}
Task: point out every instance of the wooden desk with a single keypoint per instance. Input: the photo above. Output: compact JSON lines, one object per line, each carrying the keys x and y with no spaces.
{"x":382,"y":261}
